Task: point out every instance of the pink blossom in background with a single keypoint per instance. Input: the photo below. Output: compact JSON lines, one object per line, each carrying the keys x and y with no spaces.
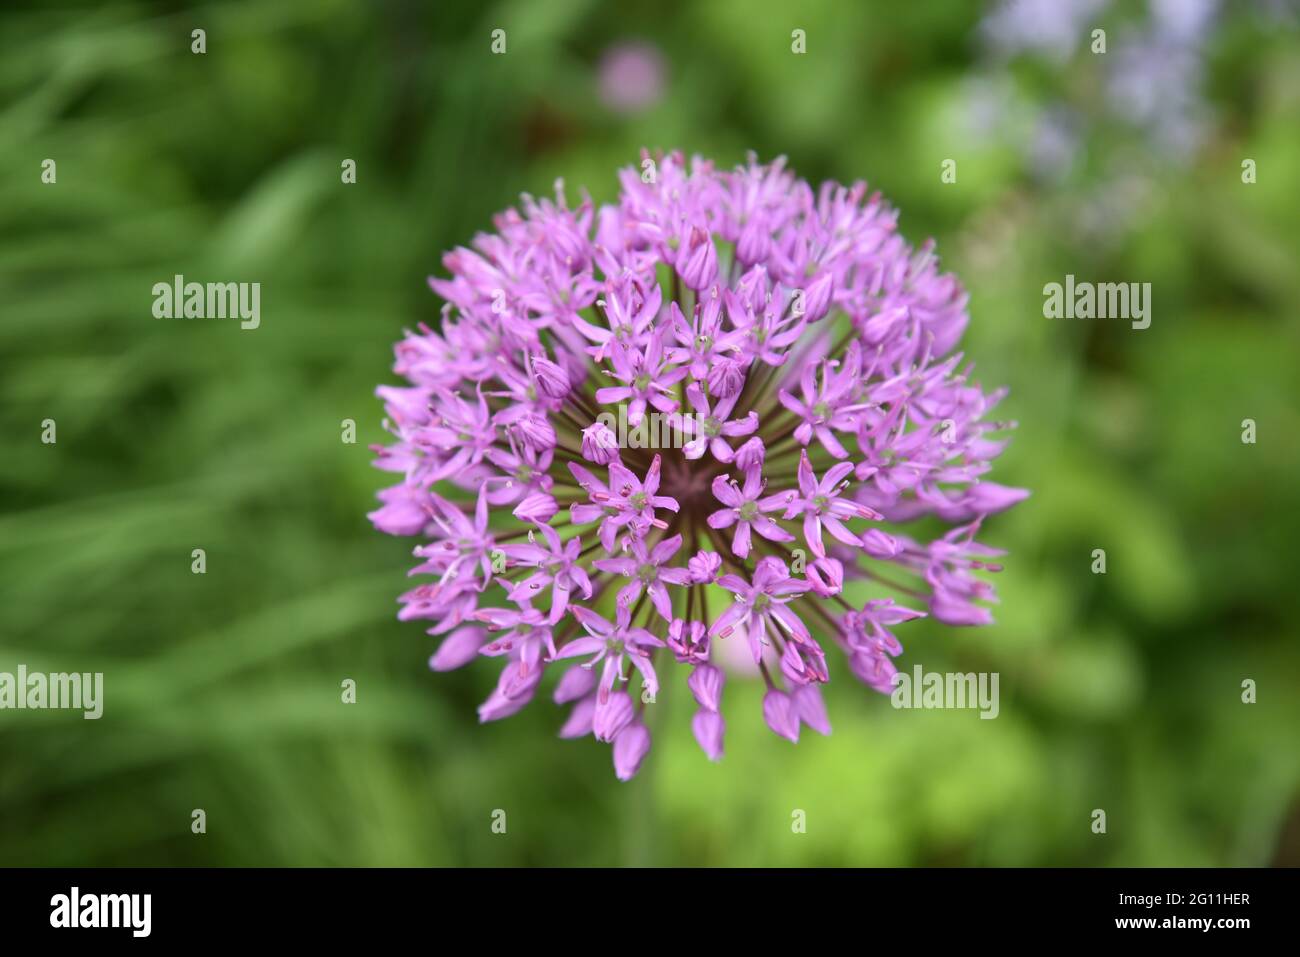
{"x":631,"y":77}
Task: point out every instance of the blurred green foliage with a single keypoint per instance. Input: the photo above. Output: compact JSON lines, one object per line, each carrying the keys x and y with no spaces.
{"x":1119,"y":692}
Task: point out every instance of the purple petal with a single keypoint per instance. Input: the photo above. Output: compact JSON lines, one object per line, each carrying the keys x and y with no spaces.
{"x":457,"y":649}
{"x":575,"y":683}
{"x":708,"y":728}
{"x":780,"y":714}
{"x":630,"y":748}
{"x":706,"y":683}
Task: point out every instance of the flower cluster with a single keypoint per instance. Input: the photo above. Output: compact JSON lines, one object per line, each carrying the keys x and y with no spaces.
{"x":811,"y":351}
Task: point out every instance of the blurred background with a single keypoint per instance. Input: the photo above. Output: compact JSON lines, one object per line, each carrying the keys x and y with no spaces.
{"x":222,"y":691}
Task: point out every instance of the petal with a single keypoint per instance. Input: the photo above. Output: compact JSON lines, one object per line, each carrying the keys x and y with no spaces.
{"x":812,"y":533}
{"x":621,"y":481}
{"x":810,"y":707}
{"x":745,"y":426}
{"x":630,"y":592}
{"x":649,"y":679}
{"x":831,"y":443}
{"x":780,"y":714}
{"x":695,"y":396}
{"x":728,"y":619}
{"x":585,"y":479}
{"x":807,"y":481}
{"x":675,"y":576}
{"x":578,"y":723}
{"x":757,"y":634}
{"x":585,"y":514}
{"x":706,"y":683}
{"x":836,"y":528}
{"x":725,"y":491}
{"x":458,"y":648}
{"x":630,"y":748}
{"x":660,"y":598}
{"x":617,"y":566}
{"x":708,"y":728}
{"x":770,"y":530}
{"x":652,"y":477}
{"x":591,"y":621}
{"x":612,"y":394}
{"x":665,"y":550}
{"x":834,"y":475}
{"x":612,"y":715}
{"x":722,"y":518}
{"x":740,"y":540}
{"x":587,"y":645}
{"x":576,"y":682}
{"x":791,"y":621}
{"x":735,"y":583}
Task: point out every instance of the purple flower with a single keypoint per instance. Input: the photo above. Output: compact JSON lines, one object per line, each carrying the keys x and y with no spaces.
{"x":626,"y":501}
{"x":870,"y":645}
{"x":459,"y":552}
{"x":611,"y":715}
{"x":703,"y":567}
{"x":822,"y":505}
{"x":830,"y":406}
{"x":527,"y":472}
{"x":826,"y":576}
{"x":550,"y":378}
{"x":645,"y":568}
{"x":764,"y":335}
{"x":745,"y":509}
{"x":405,"y":510}
{"x":512,"y":693}
{"x":725,"y":378}
{"x":710,"y":425}
{"x":461,"y":432}
{"x":697,"y":341}
{"x":527,"y":636}
{"x":557,"y":569}
{"x":736,"y":304}
{"x":599,"y":444}
{"x":630,"y":311}
{"x":762,"y":606}
{"x":688,"y":641}
{"x":647,"y":378}
{"x":751,"y":455}
{"x":697,"y":263}
{"x":609,"y":643}
{"x":954,"y":587}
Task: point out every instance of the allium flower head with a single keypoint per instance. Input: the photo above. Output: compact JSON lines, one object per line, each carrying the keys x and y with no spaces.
{"x":803,"y":354}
